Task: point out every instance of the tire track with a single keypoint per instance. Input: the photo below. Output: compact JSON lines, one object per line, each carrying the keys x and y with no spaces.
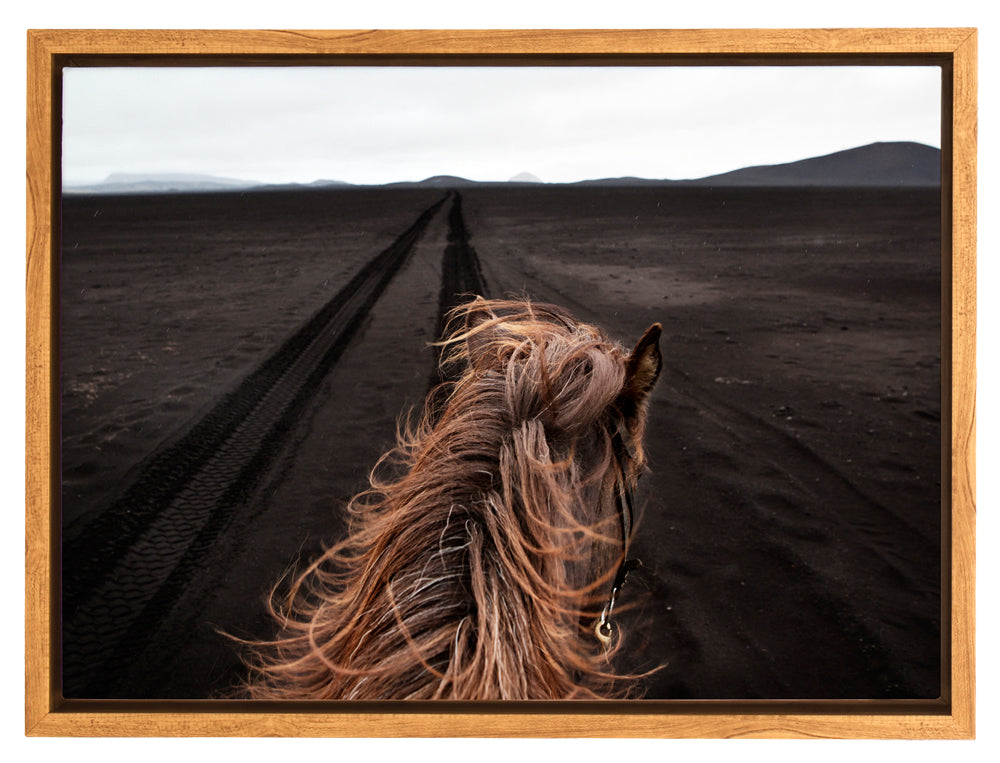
{"x":124,"y":571}
{"x":461,"y":277}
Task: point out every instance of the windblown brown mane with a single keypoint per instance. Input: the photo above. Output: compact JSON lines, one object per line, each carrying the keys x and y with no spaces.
{"x":484,"y":549}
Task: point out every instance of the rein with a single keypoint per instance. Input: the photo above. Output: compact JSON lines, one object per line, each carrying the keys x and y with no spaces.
{"x":624,"y":449}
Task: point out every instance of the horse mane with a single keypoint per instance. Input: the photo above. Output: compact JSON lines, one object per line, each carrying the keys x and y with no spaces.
{"x":467,"y":571}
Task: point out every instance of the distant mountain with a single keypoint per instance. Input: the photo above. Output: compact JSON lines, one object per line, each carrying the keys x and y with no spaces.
{"x":315,"y":184}
{"x":323,"y":183}
{"x":877,"y":164}
{"x":438,"y":181}
{"x":453,"y":181}
{"x":124,"y":182}
{"x":524,"y":177}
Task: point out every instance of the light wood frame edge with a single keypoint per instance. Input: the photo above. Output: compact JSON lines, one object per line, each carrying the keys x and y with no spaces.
{"x":46,"y":714}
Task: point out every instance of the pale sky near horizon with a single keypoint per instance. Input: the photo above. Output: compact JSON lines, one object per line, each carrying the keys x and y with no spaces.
{"x":562,"y":124}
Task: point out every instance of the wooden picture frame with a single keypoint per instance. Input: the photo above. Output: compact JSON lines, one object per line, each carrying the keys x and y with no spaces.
{"x":950,"y":717}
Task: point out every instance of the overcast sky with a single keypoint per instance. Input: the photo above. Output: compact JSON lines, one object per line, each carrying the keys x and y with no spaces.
{"x":561,"y":124}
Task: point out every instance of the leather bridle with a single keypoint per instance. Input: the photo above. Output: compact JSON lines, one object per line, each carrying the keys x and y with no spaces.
{"x":623,"y":449}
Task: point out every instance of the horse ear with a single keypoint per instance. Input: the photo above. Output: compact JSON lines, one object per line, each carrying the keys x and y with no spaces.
{"x":644,"y":365}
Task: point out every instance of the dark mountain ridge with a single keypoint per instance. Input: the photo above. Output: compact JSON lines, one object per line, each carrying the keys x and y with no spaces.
{"x":885,"y":165}
{"x":877,"y":164}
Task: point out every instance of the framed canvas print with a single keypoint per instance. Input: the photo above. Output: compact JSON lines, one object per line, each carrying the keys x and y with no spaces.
{"x":524,"y":383}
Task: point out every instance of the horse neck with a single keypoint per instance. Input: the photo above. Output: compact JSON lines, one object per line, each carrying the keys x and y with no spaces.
{"x":567,"y":507}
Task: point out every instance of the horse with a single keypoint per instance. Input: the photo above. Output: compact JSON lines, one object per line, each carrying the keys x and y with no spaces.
{"x":485,"y":559}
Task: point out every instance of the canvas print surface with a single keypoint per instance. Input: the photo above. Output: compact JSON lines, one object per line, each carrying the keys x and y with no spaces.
{"x":257,"y":264}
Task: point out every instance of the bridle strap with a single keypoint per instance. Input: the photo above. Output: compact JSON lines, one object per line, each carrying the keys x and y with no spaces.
{"x":623,"y":448}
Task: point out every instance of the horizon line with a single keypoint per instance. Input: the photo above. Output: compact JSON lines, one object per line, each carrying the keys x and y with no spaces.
{"x":221,"y":183}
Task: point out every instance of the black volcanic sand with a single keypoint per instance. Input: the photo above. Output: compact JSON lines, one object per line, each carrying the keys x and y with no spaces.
{"x":169,"y":300}
{"x":791,"y":518}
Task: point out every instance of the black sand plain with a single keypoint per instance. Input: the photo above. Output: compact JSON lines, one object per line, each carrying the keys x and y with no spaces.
{"x":792,"y":517}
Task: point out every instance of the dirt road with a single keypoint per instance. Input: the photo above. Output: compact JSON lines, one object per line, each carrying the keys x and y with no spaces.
{"x":152,"y":545}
